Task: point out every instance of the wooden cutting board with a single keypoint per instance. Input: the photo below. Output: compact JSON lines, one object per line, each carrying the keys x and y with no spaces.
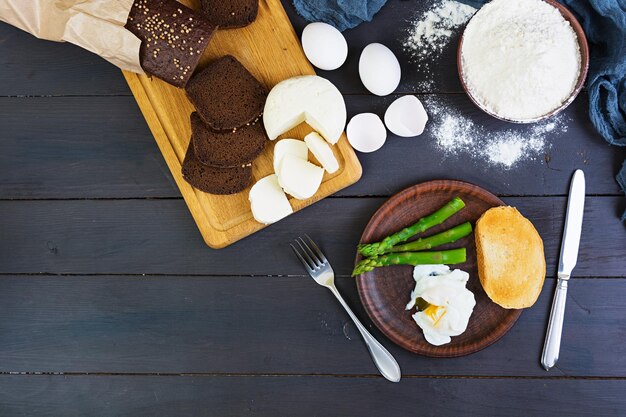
{"x":269,"y":48}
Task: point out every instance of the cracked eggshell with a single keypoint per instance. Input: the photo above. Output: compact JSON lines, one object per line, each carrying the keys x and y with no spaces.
{"x":268,"y":201}
{"x":324,"y":46}
{"x":406,"y":117}
{"x":322,"y":152}
{"x":366,"y":132}
{"x":379,"y":69}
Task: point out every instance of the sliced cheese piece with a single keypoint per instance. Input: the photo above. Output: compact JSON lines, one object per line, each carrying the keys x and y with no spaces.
{"x":299,"y":178}
{"x":293,"y":147}
{"x":310,"y":99}
{"x":268,"y":201}
{"x":322,"y":152}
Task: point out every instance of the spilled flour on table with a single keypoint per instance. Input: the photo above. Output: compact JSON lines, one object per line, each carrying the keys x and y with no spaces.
{"x":431,"y":32}
{"x":455,"y":134}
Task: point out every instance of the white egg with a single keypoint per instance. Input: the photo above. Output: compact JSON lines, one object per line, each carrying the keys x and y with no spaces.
{"x":379,"y":69}
{"x":324,"y":46}
{"x":366,"y":132}
{"x":406,"y":117}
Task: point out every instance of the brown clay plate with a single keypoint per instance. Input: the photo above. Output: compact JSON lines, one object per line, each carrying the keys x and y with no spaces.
{"x":384,"y":292}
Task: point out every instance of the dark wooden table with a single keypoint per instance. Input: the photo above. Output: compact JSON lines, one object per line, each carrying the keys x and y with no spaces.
{"x":111,"y":304}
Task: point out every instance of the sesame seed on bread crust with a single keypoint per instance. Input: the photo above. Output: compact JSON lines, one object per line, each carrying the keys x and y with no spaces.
{"x":173,"y":38}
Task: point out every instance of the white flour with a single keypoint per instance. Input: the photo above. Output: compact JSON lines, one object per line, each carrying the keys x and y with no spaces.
{"x":521,"y":58}
{"x":432,"y":31}
{"x":456,"y":134}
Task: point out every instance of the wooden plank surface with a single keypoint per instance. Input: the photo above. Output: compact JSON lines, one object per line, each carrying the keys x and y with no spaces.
{"x":79,"y":147}
{"x":305,"y":396}
{"x":159,"y":237}
{"x":34,"y":67}
{"x":250,"y":340}
{"x":103,"y":149}
{"x":276,"y":325}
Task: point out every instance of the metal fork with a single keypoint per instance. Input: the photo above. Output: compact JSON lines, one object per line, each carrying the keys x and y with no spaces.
{"x":320,"y":270}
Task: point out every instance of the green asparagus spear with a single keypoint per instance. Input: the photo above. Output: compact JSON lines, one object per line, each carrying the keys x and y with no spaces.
{"x":438,"y":217}
{"x":453,"y":256}
{"x":449,"y":236}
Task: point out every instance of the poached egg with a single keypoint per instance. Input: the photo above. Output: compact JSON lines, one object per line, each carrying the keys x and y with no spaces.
{"x":450,"y":303}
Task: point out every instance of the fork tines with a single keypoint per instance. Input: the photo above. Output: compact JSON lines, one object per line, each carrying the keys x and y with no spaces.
{"x":311,"y":256}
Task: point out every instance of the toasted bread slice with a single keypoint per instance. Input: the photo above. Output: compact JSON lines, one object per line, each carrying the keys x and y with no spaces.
{"x":511,"y":262}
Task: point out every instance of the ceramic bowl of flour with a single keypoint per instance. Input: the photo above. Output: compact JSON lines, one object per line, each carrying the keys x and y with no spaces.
{"x":520,"y":72}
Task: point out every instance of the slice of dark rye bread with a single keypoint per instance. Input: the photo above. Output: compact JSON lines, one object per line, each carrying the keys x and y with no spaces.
{"x":215,"y":180}
{"x":229,"y":148}
{"x":173,"y":38}
{"x":226,"y":95}
{"x":230,"y":13}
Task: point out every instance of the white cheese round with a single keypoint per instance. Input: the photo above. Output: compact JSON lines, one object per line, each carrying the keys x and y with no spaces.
{"x":310,"y":99}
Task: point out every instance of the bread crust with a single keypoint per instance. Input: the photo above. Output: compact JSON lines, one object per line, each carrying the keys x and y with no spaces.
{"x":227,"y":149}
{"x":215,"y":180}
{"x":511,"y":260}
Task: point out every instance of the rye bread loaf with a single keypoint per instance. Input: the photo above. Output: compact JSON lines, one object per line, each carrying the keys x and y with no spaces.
{"x":215,"y":180}
{"x":229,"y":148}
{"x":226,"y":95}
{"x":173,"y":38}
{"x":511,"y":262}
{"x":230,"y":13}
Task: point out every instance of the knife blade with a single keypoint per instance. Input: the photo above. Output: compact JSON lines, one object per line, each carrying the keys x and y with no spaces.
{"x":573,"y":225}
{"x":567,"y":262}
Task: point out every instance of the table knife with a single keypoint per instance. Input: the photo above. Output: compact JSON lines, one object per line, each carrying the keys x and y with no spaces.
{"x":567,"y":261}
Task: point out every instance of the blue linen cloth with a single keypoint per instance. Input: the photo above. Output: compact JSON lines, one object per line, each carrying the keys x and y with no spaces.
{"x":621,"y":179}
{"x":342,"y":14}
{"x":604,"y":23}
